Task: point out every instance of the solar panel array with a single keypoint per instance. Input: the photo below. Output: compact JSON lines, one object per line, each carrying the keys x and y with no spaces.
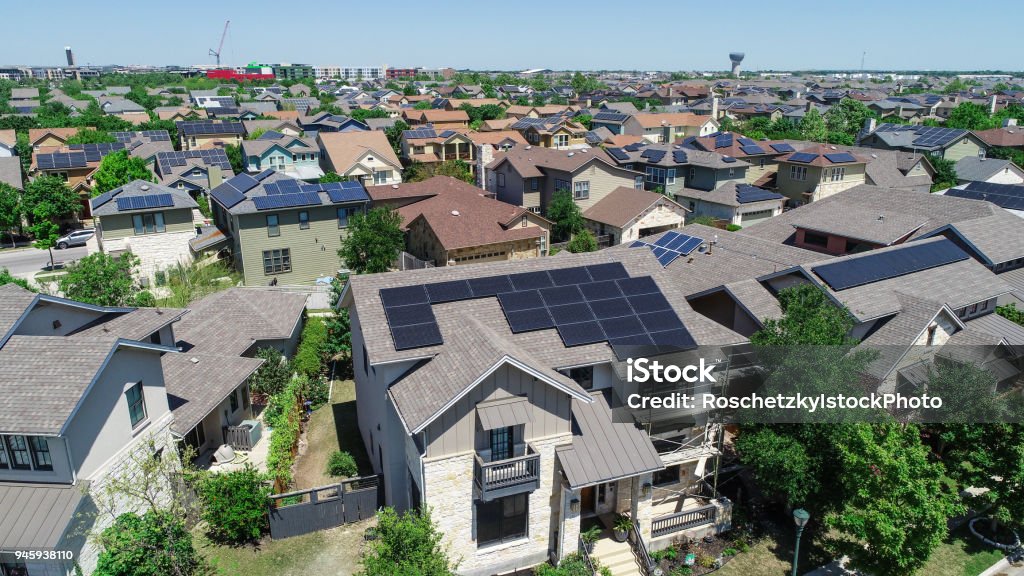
{"x":670,"y":246}
{"x":728,"y":159}
{"x":419,"y":133}
{"x":723,"y":140}
{"x":146,"y":202}
{"x":744,"y":141}
{"x":61,"y":160}
{"x":150,"y":135}
{"x":752,"y":149}
{"x":653,"y":155}
{"x":202,"y":127}
{"x":611,"y":117}
{"x":926,"y":136}
{"x":96,"y":152}
{"x":635,"y":146}
{"x":1008,"y":196}
{"x":840,"y":158}
{"x":905,"y":260}
{"x":618,"y":153}
{"x":338,"y":192}
{"x":585,"y":304}
{"x":803,"y":157}
{"x":232,"y":191}
{"x":271,"y":135}
{"x":782,"y":147}
{"x":286,"y":200}
{"x":166,"y":161}
{"x":679,"y":156}
{"x":746,"y":193}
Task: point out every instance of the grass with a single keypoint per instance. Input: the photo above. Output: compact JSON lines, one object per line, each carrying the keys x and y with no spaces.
{"x":192,"y":282}
{"x":960,"y":555}
{"x":332,"y":427}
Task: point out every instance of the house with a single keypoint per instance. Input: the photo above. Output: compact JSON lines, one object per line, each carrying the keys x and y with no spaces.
{"x":327,"y":122}
{"x":365,"y":156}
{"x":994,"y":170}
{"x":487,"y":144}
{"x":178,"y":113}
{"x":300,"y":90}
{"x":21,"y":94}
{"x":449,"y":222}
{"x":430,"y":146}
{"x":10,"y":171}
{"x":761,"y":156}
{"x":818,"y":171}
{"x":286,"y":127}
{"x":559,"y":132}
{"x":115,"y":106}
{"x":145,"y":144}
{"x":42,"y":138}
{"x":294,"y":156}
{"x":195,"y":171}
{"x":198,"y":135}
{"x":629,"y":214}
{"x":1008,"y":136}
{"x":440,"y":119}
{"x":8,"y":143}
{"x":948,"y":143}
{"x":152,"y":221}
{"x":279,"y":233}
{"x":528,"y":176}
{"x":656,"y":127}
{"x":75,"y":164}
{"x":488,"y":386}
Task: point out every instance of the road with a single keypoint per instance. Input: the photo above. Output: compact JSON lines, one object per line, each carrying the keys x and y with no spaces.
{"x":25,"y":262}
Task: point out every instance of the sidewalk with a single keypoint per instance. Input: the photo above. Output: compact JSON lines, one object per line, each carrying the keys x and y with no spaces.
{"x":1003,"y":568}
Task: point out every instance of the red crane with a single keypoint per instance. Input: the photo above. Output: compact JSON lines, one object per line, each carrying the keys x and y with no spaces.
{"x":216,"y":53}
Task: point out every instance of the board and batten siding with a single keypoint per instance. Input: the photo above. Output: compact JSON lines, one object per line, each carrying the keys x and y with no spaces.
{"x":121,"y":225}
{"x":314,"y":251}
{"x":966,"y":146}
{"x":456,"y":430}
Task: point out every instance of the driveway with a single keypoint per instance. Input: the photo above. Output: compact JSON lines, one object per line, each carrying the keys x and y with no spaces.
{"x":26,"y":262}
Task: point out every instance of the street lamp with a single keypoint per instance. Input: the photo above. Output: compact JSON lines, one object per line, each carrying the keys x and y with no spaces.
{"x":800,"y":517}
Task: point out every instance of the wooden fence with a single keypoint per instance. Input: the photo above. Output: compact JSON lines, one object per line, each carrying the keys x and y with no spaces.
{"x":305,"y":511}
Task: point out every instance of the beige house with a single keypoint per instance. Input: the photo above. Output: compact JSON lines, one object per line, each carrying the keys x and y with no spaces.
{"x":628,"y":214}
{"x":203,"y":134}
{"x":429,"y":146}
{"x":817,"y":172}
{"x":42,"y":139}
{"x":363,"y":156}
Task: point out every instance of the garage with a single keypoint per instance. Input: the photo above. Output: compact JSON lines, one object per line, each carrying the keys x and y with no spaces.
{"x":756,"y":216}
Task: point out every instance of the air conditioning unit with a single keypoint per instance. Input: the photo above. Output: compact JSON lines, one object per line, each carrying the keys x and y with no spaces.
{"x":255,"y":428}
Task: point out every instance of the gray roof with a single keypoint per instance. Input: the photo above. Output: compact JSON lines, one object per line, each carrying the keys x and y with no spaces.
{"x":727,"y":195}
{"x":10,"y":171}
{"x":602,"y":449}
{"x":996,"y":325}
{"x":865,"y":223}
{"x":197,"y":383}
{"x":1015,"y":278}
{"x":229,"y":322}
{"x":36,"y":515}
{"x":137,"y":188}
{"x":259,"y":107}
{"x":260,"y":146}
{"x":120,"y":106}
{"x":380,"y":123}
{"x":899,"y":333}
{"x":24,"y":93}
{"x":756,"y":299}
{"x":14,"y":302}
{"x":210,"y":236}
{"x":999,"y":237}
{"x":975,"y":169}
{"x":135,"y":325}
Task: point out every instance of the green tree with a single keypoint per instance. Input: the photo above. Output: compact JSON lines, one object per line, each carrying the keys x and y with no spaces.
{"x":566,"y":215}
{"x":394,"y":135}
{"x":329,"y":177}
{"x":7,"y":278}
{"x":406,"y":545}
{"x":969,"y":116}
{"x":780,"y":463}
{"x":11,"y":209}
{"x":235,"y":505}
{"x":153,"y":544}
{"x":812,"y":127}
{"x":90,"y":136}
{"x":945,"y":173}
{"x":847,"y":117}
{"x":584,"y":119}
{"x":234,"y":154}
{"x":47,"y":199}
{"x":456,"y":169}
{"x":1011,"y":313}
{"x":373,"y":242}
{"x":339,"y":331}
{"x":101,"y":279}
{"x":118,"y":169}
{"x":808,"y":318}
{"x":582,"y":242}
{"x":273,"y":375}
{"x":424,"y":105}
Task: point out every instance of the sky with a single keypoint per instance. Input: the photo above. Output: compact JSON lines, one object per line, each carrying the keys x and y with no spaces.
{"x":523,"y":34}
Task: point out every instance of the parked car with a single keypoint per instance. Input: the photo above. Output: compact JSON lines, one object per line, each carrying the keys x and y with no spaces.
{"x":75,"y":238}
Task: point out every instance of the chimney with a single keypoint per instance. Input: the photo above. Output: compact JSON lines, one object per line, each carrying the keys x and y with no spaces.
{"x":992,"y":105}
{"x":714,"y":107}
{"x":216,"y":176}
{"x":1009,"y":122}
{"x":869,"y":125}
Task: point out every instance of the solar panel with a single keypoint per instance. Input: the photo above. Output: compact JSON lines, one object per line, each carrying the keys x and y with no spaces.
{"x":622,"y":326}
{"x":752,"y":149}
{"x":611,"y":308}
{"x":782,"y":147}
{"x":638,"y":285}
{"x":264,"y":175}
{"x":518,"y":301}
{"x":559,"y":295}
{"x":104,"y":198}
{"x":1008,"y":196}
{"x":529,"y":320}
{"x":723,"y":140}
{"x":653,"y":155}
{"x":144,"y":202}
{"x":227,"y":195}
{"x":571,"y":313}
{"x":803,"y":157}
{"x":680,"y":339}
{"x":667,"y":257}
{"x":600,"y":290}
{"x":907,"y":259}
{"x":670,"y":246}
{"x":659,"y":321}
{"x":348,"y":194}
{"x":635,"y":146}
{"x":728,"y":159}
{"x":404,"y":295}
{"x":286,"y":200}
{"x":746,"y":193}
{"x":416,"y":336}
{"x":409,"y":314}
{"x":618,"y":154}
{"x":649,"y":302}
{"x":452,"y":291}
{"x":530,"y":280}
{"x":490,"y":286}
{"x":566,"y":276}
{"x":840,"y":158}
{"x":744,"y":141}
{"x":608,"y":271}
{"x":679,"y":156}
{"x":581,"y":333}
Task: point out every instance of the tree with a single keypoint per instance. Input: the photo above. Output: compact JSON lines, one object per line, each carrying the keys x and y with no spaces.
{"x":7,"y":278}
{"x":1011,"y":313}
{"x":945,"y":173}
{"x":118,"y":169}
{"x":456,"y":169}
{"x":394,"y":135}
{"x":582,"y":242}
{"x":373,"y":242}
{"x":101,"y":279}
{"x":90,"y":136}
{"x":847,"y":118}
{"x":46,"y":199}
{"x":339,"y":331}
{"x":566,"y":215}
{"x":969,"y":116}
{"x":273,"y":375}
{"x":406,"y":545}
{"x":153,"y":544}
{"x":416,"y":171}
{"x":234,"y":154}
{"x":235,"y":505}
{"x":424,"y":105}
{"x":781,"y":464}
{"x":11,"y":209}
{"x":584,"y":119}
{"x":329,"y":177}
{"x":812,"y":127}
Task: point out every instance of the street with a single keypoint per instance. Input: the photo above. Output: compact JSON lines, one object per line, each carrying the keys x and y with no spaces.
{"x":26,"y":262}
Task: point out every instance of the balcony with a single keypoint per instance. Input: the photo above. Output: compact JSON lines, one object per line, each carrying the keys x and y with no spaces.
{"x":460,"y":155}
{"x":506,"y":477}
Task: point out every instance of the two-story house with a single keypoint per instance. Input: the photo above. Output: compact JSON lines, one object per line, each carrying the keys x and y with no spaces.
{"x":482,"y":397}
{"x":196,"y":171}
{"x":286,"y":127}
{"x":666,"y":127}
{"x":629,"y":214}
{"x":818,"y":171}
{"x":559,"y":132}
{"x":948,"y":143}
{"x":75,"y":164}
{"x":360,"y":155}
{"x":439,"y":119}
{"x":297,"y":157}
{"x":430,"y":146}
{"x":528,"y":176}
{"x":202,"y":134}
{"x":284,"y":231}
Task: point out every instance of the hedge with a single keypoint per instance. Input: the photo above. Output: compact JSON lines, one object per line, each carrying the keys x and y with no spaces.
{"x":309,"y":359}
{"x":283,"y":416}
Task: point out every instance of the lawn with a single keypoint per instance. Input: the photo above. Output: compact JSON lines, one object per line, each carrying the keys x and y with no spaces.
{"x":332,"y":427}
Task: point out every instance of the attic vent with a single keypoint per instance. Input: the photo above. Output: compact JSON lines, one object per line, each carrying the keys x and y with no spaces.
{"x":528,"y":147}
{"x":144,"y":187}
{"x":194,"y":360}
{"x":881,"y":217}
{"x":874,"y":155}
{"x":455,"y":212}
{"x":395,"y":186}
{"x":832,"y":147}
{"x":572,"y":154}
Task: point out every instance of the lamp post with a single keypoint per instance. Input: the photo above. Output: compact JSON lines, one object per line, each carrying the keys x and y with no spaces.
{"x":800,"y":517}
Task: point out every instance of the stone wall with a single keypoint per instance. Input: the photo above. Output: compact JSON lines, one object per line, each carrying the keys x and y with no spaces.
{"x":157,"y":251}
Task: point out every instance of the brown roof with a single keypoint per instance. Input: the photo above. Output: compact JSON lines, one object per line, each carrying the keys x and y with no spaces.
{"x":343,"y":149}
{"x":183,"y":112}
{"x":459,"y":214}
{"x":477,"y":102}
{"x":821,"y":161}
{"x":736,"y":149}
{"x":8,"y":137}
{"x":283,"y":114}
{"x":1007,"y":136}
{"x":135,"y":118}
{"x":37,"y":134}
{"x":527,"y":160}
{"x":624,"y":204}
{"x":499,"y":124}
{"x":495,"y":137}
{"x":671,"y":119}
{"x":621,"y":140}
{"x":442,"y":115}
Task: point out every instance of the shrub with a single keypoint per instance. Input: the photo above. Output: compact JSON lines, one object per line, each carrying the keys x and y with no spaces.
{"x":282,"y":415}
{"x":273,"y":375}
{"x":733,"y":227}
{"x":682,"y":571}
{"x":342,"y":464}
{"x":406,"y":544}
{"x":235,"y":505}
{"x":572,"y":565}
{"x":145,"y":299}
{"x":153,"y":544}
{"x":309,"y":359}
{"x":316,"y":391}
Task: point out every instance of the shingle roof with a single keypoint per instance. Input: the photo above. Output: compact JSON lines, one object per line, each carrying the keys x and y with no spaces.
{"x":107,"y":204}
{"x":620,"y":206}
{"x":864,"y":223}
{"x":344,"y":149}
{"x":197,"y":383}
{"x":230,"y":321}
{"x":896,"y":335}
{"x":1009,"y":136}
{"x":135,"y":325}
{"x":975,"y":169}
{"x":14,"y":302}
{"x":528,"y":160}
{"x":1001,"y":327}
{"x":10,"y":171}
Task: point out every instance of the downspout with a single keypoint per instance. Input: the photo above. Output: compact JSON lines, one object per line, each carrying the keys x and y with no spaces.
{"x":71,"y":465}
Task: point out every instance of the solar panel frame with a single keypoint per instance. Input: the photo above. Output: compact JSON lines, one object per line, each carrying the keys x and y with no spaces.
{"x":622,"y":326}
{"x":751,"y":149}
{"x":637,"y":285}
{"x":618,"y":153}
{"x":649,"y":302}
{"x":660,"y":321}
{"x":409,"y":315}
{"x":600,"y":290}
{"x":450,"y":291}
{"x":840,"y":158}
{"x":529,"y":320}
{"x":876,"y":267}
{"x":679,"y":157}
{"x":567,"y":276}
{"x":580,"y":334}
{"x":531,"y":280}
{"x":803,"y":157}
{"x":611,"y":308}
{"x":571,"y":313}
{"x":607,"y":271}
{"x":403,"y":295}
{"x":416,"y":336}
{"x":490,"y":286}
{"x":559,"y":295}
{"x":520,"y":300}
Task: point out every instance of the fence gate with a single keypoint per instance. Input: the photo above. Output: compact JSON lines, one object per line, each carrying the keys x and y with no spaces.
{"x":305,"y":511}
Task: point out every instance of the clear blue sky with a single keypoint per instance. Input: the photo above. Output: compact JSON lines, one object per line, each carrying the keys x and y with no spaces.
{"x":520,"y":34}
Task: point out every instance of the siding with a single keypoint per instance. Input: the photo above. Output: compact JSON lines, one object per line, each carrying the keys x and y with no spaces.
{"x":603,"y":179}
{"x":966,"y":146}
{"x":121,"y":226}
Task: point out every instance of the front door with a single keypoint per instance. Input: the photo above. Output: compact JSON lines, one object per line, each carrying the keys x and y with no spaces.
{"x":502,"y":446}
{"x":587,"y":500}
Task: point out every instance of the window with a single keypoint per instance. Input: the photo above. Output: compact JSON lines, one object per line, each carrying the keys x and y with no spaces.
{"x":534,"y":209}
{"x":344,"y":214}
{"x":17,"y":448}
{"x":760,"y":163}
{"x":838,"y":174}
{"x":501,"y":520}
{"x":273,"y":229}
{"x":670,"y":176}
{"x":40,"y":453}
{"x":638,"y":183}
{"x":4,"y":462}
{"x":501,"y":442}
{"x":136,"y":404}
{"x":524,"y":221}
{"x":693,"y":173}
{"x":581,"y":190}
{"x":561,"y":140}
{"x":798,"y":172}
{"x":668,"y":475}
{"x":303,"y":220}
{"x":534,"y":182}
{"x":152,"y":223}
{"x":732,"y":172}
{"x":655,"y":175}
{"x":562,"y":185}
{"x":234,"y":400}
{"x":931,"y":335}
{"x":584,"y":376}
{"x":815,"y":239}
{"x":277,"y":261}
{"x":381,"y":176}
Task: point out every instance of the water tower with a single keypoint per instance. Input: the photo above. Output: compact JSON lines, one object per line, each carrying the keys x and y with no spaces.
{"x":737,"y":58}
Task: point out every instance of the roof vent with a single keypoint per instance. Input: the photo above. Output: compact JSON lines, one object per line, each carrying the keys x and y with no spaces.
{"x":528,"y":147}
{"x":455,"y":212}
{"x":881,"y":217}
{"x":194,"y":360}
{"x":874,"y":155}
{"x":571,"y":154}
{"x":832,"y":147}
{"x":395,"y":186}
{"x":144,"y":187}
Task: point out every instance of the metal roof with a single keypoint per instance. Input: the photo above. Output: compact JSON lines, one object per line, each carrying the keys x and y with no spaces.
{"x":35,"y":516}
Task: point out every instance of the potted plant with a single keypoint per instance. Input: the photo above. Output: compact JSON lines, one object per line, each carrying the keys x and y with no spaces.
{"x":620,"y":531}
{"x":589,"y":536}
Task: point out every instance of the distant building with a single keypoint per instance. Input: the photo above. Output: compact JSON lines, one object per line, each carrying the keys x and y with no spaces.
{"x":70,"y":55}
{"x":292,"y":71}
{"x":349,"y":73}
{"x":394,"y":73}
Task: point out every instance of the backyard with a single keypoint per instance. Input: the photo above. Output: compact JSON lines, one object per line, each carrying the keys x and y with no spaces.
{"x":332,"y":427}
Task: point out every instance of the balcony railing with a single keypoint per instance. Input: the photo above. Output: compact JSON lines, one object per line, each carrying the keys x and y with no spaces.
{"x":507,"y":477}
{"x":683,"y":520}
{"x":466,"y":155}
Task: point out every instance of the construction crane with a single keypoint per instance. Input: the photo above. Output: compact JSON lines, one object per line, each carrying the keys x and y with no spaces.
{"x":216,"y":53}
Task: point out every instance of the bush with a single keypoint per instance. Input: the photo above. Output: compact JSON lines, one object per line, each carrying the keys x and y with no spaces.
{"x":154,"y":544}
{"x":282,"y":415}
{"x":316,"y":391}
{"x":342,"y":464}
{"x":273,"y":375}
{"x":235,"y":505}
{"x":572,"y":565}
{"x":733,"y":227}
{"x":582,"y":242}
{"x":7,"y":278}
{"x":145,"y":299}
{"x":309,"y":359}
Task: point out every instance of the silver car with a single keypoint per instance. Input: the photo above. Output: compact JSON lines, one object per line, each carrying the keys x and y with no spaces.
{"x":75,"y":238}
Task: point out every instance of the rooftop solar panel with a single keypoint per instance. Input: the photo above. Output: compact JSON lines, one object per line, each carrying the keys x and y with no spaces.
{"x":746,"y":193}
{"x":409,"y":314}
{"x":416,"y":336}
{"x":490,"y":286}
{"x":653,"y":155}
{"x":622,"y":326}
{"x":611,"y":308}
{"x":728,"y":159}
{"x":803,"y":157}
{"x":530,"y":280}
{"x":680,"y":339}
{"x":559,"y":295}
{"x":529,"y":320}
{"x":659,"y":321}
{"x":1008,"y":196}
{"x":581,"y":333}
{"x":723,"y":140}
{"x":416,"y":294}
{"x":146,"y":202}
{"x":638,"y":285}
{"x":618,"y":153}
{"x":649,"y":302}
{"x":518,"y":301}
{"x":571,"y":313}
{"x":782,"y":147}
{"x":453,"y":291}
{"x":840,"y":158}
{"x":752,"y":149}
{"x":600,"y":290}
{"x":286,"y":200}
{"x":901,"y":261}
{"x":679,"y":156}
{"x":607,"y":271}
{"x":566,"y":276}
